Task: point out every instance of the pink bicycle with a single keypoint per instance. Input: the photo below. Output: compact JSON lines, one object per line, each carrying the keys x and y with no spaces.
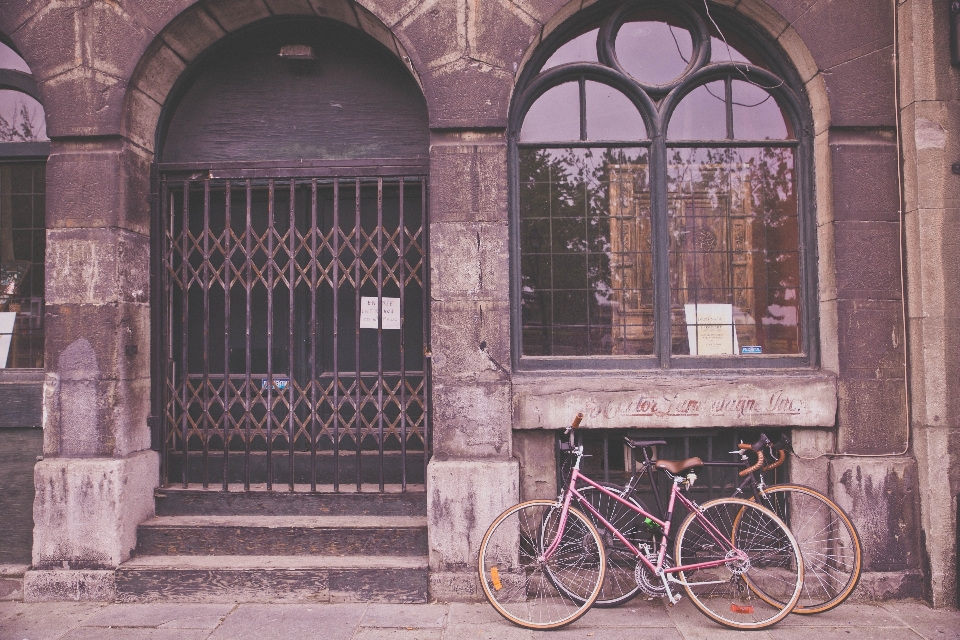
{"x":542,"y":562}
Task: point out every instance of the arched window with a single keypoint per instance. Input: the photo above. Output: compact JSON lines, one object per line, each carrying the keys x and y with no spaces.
{"x":660,"y":197}
{"x":24,"y":148}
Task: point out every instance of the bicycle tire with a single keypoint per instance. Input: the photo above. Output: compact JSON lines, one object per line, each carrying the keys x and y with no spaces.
{"x":619,"y":582}
{"x":514,"y":579}
{"x":728,"y":593}
{"x":829,"y":542}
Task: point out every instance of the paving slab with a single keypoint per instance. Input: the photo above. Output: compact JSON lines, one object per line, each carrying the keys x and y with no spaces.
{"x":491,"y":631}
{"x":929,"y":623}
{"x":636,"y":613}
{"x":374,"y":633}
{"x":286,"y":621}
{"x":693,"y":625}
{"x":139,"y":633}
{"x":853,"y":632}
{"x":849,"y":613}
{"x":46,"y":620}
{"x":161,"y":616}
{"x":426,"y":616}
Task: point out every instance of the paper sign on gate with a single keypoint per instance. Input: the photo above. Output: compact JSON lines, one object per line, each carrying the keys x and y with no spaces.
{"x":390,"y":314}
{"x":370,"y":313}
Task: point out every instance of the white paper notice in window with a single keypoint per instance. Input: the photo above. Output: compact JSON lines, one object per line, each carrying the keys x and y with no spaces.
{"x":710,"y":329}
{"x":389,"y":315}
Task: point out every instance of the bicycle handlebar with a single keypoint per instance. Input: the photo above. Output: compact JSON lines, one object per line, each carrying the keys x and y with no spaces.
{"x":755,"y":466}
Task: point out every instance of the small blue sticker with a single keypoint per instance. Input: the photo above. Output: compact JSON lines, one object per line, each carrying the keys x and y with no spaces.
{"x":750,"y":350}
{"x":278,"y":383}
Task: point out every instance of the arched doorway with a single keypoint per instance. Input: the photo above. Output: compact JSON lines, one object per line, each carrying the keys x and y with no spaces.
{"x":292,"y":265}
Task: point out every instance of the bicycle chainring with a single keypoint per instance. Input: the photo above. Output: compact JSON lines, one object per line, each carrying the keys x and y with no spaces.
{"x":647,"y":580}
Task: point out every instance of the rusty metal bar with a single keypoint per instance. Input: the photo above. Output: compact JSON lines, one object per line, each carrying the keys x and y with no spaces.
{"x":358,"y":259}
{"x":380,"y":328}
{"x":314,"y":287}
{"x":227,"y":267}
{"x":427,"y":357}
{"x":402,"y":282}
{"x":271,"y":192}
{"x":185,"y":288}
{"x":291,"y":286}
{"x":248,"y":382}
{"x":336,"y":325}
{"x":205,"y":288}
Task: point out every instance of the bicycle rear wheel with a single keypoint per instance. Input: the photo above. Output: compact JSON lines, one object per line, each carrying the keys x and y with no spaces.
{"x":520,"y":585}
{"x":619,"y":582}
{"x":829,"y":543}
{"x":771,"y":563}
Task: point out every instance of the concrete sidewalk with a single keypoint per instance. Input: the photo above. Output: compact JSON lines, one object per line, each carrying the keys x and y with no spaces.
{"x":637,"y":620}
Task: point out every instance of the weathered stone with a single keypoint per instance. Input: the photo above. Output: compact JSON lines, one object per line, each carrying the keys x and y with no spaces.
{"x":536,"y":452}
{"x":868,"y":260}
{"x":55,"y":585}
{"x":501,"y":33}
{"x":937,"y":452}
{"x":765,"y":16}
{"x":471,"y":419}
{"x":640,"y":400}
{"x":373,"y":26}
{"x":111,"y":39}
{"x":82,"y":102}
{"x":880,"y":496}
{"x":463,"y":499}
{"x":231,"y":14}
{"x":390,"y":12}
{"x":865,"y":164}
{"x":838,"y":31}
{"x":140,"y":117}
{"x":829,"y":333}
{"x":97,"y":266}
{"x":102,"y":187}
{"x":436,"y":30}
{"x":158,"y":70}
{"x":468,"y":182}
{"x":47,"y":38}
{"x":289,"y":7}
{"x":470,"y":94}
{"x":87,"y":510}
{"x":459,"y":328}
{"x":339,"y":10}
{"x":872,"y":416}
{"x":877,"y":586}
{"x":861,"y":90}
{"x":871,"y":339}
{"x":469,"y":261}
{"x":192,"y":32}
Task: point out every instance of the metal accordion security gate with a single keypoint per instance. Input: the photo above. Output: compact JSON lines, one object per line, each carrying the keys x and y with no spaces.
{"x":294,"y":317}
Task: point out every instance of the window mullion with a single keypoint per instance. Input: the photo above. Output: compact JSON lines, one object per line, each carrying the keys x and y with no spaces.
{"x":660,"y":248}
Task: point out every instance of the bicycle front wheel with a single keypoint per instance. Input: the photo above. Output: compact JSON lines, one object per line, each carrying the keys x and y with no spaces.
{"x":759,"y":554}
{"x":520,"y":583}
{"x":829,"y":543}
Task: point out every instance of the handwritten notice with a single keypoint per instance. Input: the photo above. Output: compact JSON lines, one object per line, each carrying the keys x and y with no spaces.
{"x":710,"y":329}
{"x":371,"y":313}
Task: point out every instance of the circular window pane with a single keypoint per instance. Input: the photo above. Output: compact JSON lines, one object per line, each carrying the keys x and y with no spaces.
{"x":653,"y":52}
{"x":554,"y":116}
{"x":701,"y":115}
{"x":756,"y":114}
{"x":583,"y":48}
{"x":721,"y":51}
{"x":21,"y":118}
{"x":611,"y":115}
{"x":10,"y":60}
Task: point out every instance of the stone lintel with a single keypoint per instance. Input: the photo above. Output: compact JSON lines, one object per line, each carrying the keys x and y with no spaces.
{"x":611,"y":401}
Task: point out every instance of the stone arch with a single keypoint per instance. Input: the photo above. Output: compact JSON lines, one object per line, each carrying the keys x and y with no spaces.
{"x":774,"y":26}
{"x":202,"y":25}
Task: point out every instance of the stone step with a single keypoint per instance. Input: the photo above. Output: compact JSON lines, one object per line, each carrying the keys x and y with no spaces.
{"x":259,"y":502}
{"x":273,"y":579}
{"x":283,"y":535}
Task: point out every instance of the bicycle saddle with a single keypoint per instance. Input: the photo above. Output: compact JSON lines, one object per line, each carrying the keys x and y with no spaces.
{"x":677,"y":467}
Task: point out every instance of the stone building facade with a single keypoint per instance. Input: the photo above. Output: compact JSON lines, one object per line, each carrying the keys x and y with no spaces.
{"x":867,"y":384}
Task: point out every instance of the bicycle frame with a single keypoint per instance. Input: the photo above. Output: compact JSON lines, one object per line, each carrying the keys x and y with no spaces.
{"x":658,"y":568}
